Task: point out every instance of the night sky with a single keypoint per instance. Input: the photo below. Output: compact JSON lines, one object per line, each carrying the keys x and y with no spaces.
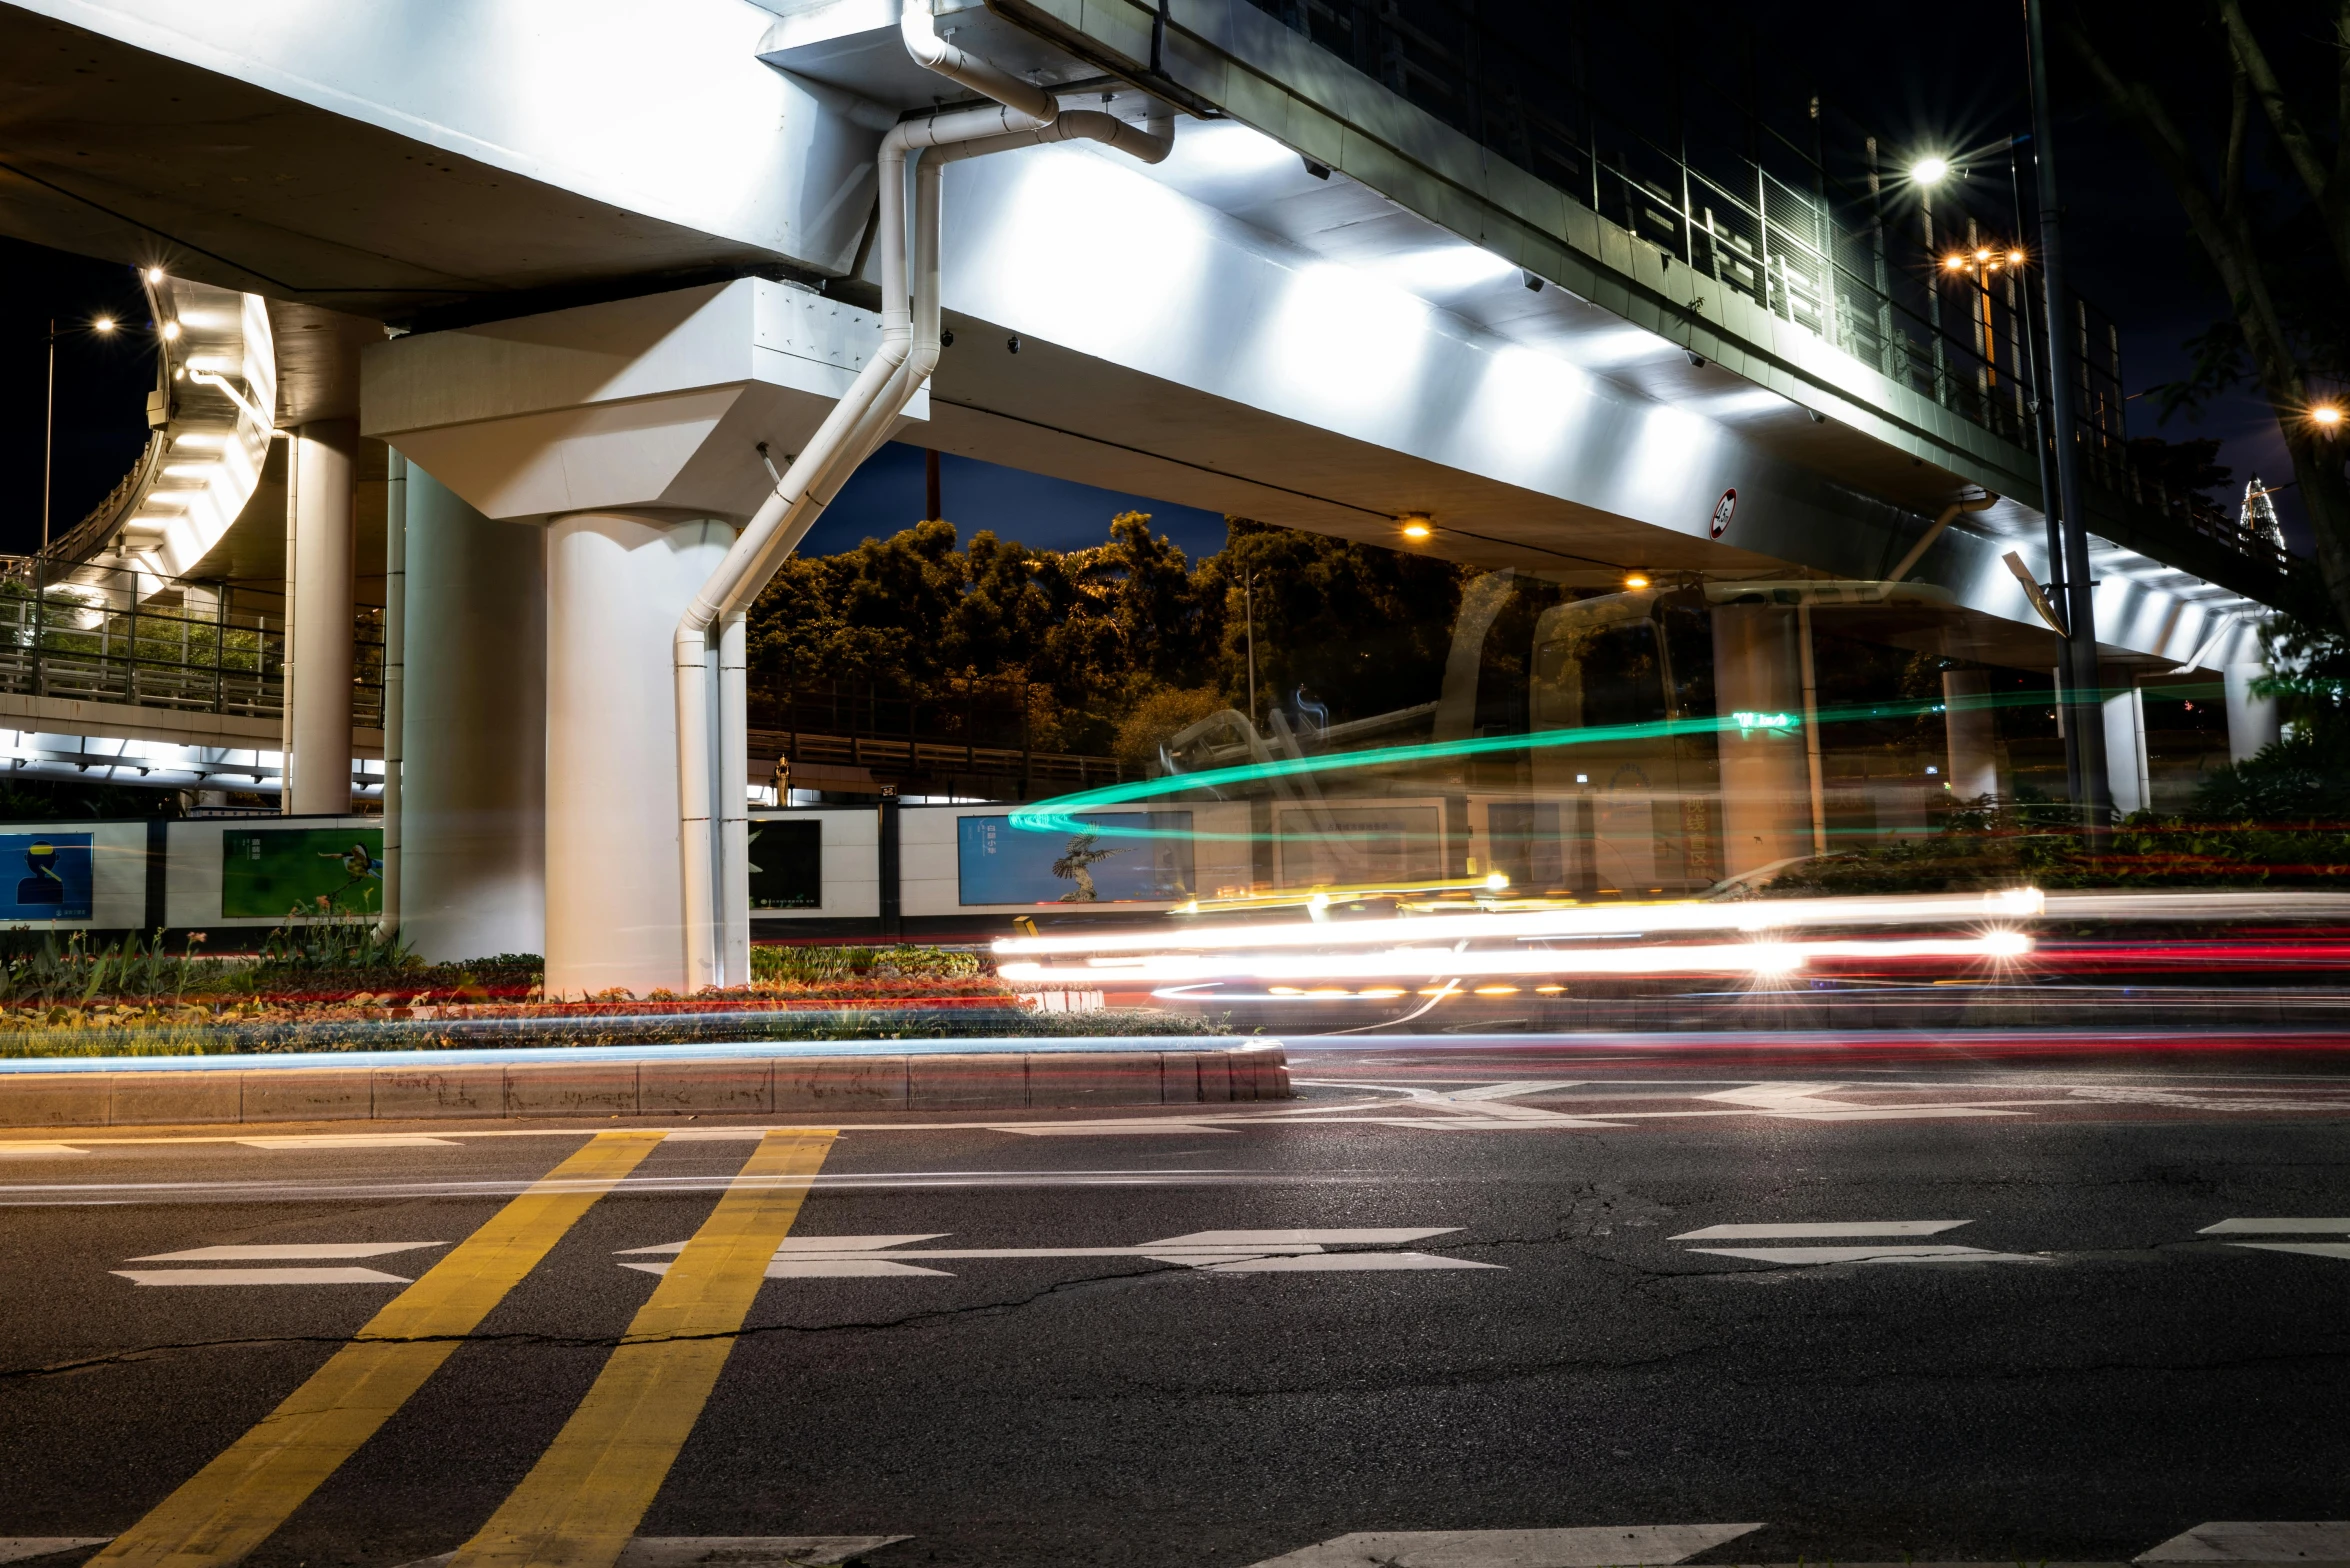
{"x":1957,"y":89}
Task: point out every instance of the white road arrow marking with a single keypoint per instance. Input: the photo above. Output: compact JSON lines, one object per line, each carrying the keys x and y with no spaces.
{"x":1221,"y":1251}
{"x":1623,"y":1546}
{"x":1809,"y":1102}
{"x":1821,"y":1231}
{"x":2256,"y":1541}
{"x":1815,"y":1256}
{"x":352,"y":1276}
{"x":2275,"y":1228}
{"x":287,"y":1251}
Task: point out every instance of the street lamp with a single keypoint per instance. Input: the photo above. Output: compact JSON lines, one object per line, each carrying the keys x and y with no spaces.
{"x":2326,"y":416}
{"x":104,"y":327}
{"x":1930,"y":171}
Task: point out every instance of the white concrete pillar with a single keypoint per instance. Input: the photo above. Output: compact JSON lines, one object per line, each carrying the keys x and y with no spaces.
{"x":318,"y":655}
{"x":473,"y":779}
{"x":2252,"y":719}
{"x":1973,"y":768}
{"x":616,"y":586}
{"x":2125,"y":748}
{"x":1766,"y":784}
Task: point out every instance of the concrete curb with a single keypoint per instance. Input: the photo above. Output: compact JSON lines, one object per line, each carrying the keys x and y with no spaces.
{"x":609,"y":1081}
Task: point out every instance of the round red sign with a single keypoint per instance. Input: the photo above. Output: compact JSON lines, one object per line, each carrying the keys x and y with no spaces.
{"x":1723,"y":510}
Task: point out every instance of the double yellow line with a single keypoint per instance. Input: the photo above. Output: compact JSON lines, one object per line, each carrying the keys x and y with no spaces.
{"x":583,"y":1500}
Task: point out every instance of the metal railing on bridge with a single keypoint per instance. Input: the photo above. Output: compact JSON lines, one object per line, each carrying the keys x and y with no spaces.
{"x":92,"y":639}
{"x":1813,"y":226}
{"x":973,"y":733}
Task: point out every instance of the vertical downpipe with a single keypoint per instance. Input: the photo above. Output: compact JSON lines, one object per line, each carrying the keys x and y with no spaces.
{"x":395,"y":706}
{"x":734,"y":815}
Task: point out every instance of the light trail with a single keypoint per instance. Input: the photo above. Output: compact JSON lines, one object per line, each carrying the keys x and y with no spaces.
{"x":1435,"y":964}
{"x":1595,"y":920}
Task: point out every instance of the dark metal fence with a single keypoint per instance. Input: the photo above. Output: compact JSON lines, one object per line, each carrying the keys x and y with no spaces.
{"x":89,"y":637}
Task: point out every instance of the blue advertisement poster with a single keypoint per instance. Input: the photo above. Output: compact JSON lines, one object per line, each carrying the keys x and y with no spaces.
{"x":1147,"y":860}
{"x":45,"y":876}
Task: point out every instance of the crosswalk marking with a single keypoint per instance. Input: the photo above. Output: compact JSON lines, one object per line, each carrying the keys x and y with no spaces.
{"x":286,"y":1251}
{"x":1220,"y":1251}
{"x":2256,"y":1541}
{"x":581,"y":1503}
{"x":230,"y":1506}
{"x":1605,"y":1546}
{"x":292,"y":1276}
{"x":1821,"y":1231}
{"x":2275,"y":1227}
{"x":1821,"y":1255}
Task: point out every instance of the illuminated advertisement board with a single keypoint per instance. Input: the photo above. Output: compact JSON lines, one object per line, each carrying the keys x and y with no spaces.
{"x":44,"y":876}
{"x":270,"y":873}
{"x":1123,"y":857}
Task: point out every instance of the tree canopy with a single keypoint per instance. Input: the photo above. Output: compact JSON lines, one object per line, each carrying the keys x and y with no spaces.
{"x":1100,"y":636}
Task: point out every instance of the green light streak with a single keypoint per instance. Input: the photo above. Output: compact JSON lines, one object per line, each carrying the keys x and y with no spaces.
{"x":1058,"y":815}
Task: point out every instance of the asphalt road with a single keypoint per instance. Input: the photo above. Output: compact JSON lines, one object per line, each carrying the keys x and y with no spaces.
{"x":1074,"y":1361}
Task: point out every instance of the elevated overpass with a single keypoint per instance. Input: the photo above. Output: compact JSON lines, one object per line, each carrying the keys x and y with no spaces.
{"x":621,"y":255}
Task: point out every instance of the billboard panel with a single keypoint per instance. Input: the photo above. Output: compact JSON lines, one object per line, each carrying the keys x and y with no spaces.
{"x":44,"y":876}
{"x":1148,"y":859}
{"x":269,"y":873}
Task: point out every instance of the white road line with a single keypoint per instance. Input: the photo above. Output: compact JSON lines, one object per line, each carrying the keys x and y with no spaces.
{"x":1814,"y":1256}
{"x":1830,"y":1228}
{"x":736,"y":1551}
{"x":1339,"y":1263}
{"x":352,"y":1140}
{"x":1606,"y":1546}
{"x":2256,"y":1541}
{"x":2315,"y":1249}
{"x":260,"y":1277}
{"x":287,"y":1251}
{"x":2275,"y":1228}
{"x":1108,"y":1129}
{"x":16,"y":1548}
{"x":36,"y":1151}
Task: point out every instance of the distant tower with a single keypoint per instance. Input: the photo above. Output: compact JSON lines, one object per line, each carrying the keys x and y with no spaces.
{"x":2260,"y":514}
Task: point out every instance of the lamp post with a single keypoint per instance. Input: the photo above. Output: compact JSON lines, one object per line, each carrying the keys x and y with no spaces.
{"x":1925,"y":174}
{"x":103,"y":326}
{"x":2082,"y":695}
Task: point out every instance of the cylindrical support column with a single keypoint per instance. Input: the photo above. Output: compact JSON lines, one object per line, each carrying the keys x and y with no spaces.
{"x":318,"y":694}
{"x":734,"y":814}
{"x":1765,"y":774}
{"x":1815,"y":764}
{"x":2252,"y":718}
{"x":473,"y":769}
{"x":1974,"y":745}
{"x":616,"y":587}
{"x":395,"y":679}
{"x":2125,"y":745}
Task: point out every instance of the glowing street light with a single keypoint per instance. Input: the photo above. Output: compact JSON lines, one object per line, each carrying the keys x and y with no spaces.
{"x":1930,"y":171}
{"x":2326,"y":416}
{"x":154,"y":274}
{"x":102,"y":325}
{"x":1416,"y":528}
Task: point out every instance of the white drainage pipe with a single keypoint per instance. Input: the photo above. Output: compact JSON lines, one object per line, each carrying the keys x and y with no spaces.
{"x":395,"y":703}
{"x":716,"y":905}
